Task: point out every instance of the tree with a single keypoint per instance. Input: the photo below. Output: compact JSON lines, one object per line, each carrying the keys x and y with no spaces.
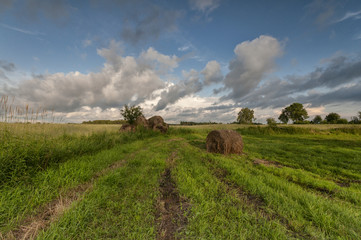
{"x":359,"y":116}
{"x":130,"y":114}
{"x":296,"y":112}
{"x":354,"y":120}
{"x":317,"y":119}
{"x":332,"y":118}
{"x":283,"y":117}
{"x":342,"y":121}
{"x":245,"y":116}
{"x":271,"y":122}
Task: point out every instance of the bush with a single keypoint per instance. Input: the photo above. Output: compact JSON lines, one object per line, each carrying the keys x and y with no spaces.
{"x":342,"y":121}
{"x":332,"y":118}
{"x":271,"y":122}
{"x":131,"y":114}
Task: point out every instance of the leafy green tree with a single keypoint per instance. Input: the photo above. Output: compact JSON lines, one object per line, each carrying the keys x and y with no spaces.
{"x":317,"y":119}
{"x":355,"y":120}
{"x":271,"y":122}
{"x":130,"y":114}
{"x":342,"y":121}
{"x":283,"y":117}
{"x":332,"y":118}
{"x":359,"y":116}
{"x":245,"y":116}
{"x":296,"y":112}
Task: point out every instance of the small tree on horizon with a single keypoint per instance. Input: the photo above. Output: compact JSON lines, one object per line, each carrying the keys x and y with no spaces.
{"x":296,"y":112}
{"x":131,"y":113}
{"x":355,"y":120}
{"x":317,"y":119}
{"x":245,"y":116}
{"x":271,"y":122}
{"x":332,"y":117}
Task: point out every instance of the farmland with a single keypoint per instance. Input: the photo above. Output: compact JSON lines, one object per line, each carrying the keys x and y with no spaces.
{"x":61,"y":181}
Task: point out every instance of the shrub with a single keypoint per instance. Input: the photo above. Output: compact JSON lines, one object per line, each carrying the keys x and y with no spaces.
{"x":271,"y":122}
{"x":130,"y":114}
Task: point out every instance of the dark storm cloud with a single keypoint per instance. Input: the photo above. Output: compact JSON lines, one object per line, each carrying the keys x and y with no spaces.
{"x":342,"y":95}
{"x":340,"y":70}
{"x":189,"y":86}
{"x":334,"y":80}
{"x":6,"y":67}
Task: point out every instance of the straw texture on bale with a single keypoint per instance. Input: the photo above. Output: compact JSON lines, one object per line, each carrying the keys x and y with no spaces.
{"x":224,"y":142}
{"x":127,"y":128}
{"x":141,"y":121}
{"x":157,"y":123}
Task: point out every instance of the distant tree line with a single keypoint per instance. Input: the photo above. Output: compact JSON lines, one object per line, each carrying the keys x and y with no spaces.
{"x":298,"y":114}
{"x":104,"y":122}
{"x":196,"y":123}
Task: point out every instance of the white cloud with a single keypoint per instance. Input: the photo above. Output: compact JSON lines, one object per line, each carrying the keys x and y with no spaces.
{"x":160,"y":61}
{"x":254,"y":59}
{"x":212,"y":73}
{"x":117,"y":83}
{"x":191,"y":84}
{"x":87,"y":113}
{"x":348,"y":15}
{"x":20,"y":30}
{"x":184,"y":48}
{"x":313,"y":111}
{"x":205,"y":6}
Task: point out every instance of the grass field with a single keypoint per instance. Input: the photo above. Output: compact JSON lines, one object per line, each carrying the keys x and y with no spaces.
{"x":62,"y":181}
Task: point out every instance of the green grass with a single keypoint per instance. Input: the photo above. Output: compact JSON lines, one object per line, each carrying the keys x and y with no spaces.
{"x":316,"y":194}
{"x":24,"y":199}
{"x":121,"y":206}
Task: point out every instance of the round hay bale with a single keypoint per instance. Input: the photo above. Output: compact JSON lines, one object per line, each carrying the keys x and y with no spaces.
{"x":225,"y":142}
{"x":141,"y":121}
{"x":157,"y":123}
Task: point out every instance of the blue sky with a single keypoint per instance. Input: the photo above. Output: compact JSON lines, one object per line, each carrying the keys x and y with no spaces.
{"x":196,"y":60}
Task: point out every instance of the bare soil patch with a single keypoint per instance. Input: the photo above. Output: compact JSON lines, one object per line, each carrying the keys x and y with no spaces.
{"x":252,"y":201}
{"x":171,"y":208}
{"x":267,"y":163}
{"x":347,"y":183}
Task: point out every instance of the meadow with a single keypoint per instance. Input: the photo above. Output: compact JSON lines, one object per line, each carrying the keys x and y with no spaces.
{"x":72,"y":181}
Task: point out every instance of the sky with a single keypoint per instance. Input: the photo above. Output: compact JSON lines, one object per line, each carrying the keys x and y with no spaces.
{"x":195,"y":60}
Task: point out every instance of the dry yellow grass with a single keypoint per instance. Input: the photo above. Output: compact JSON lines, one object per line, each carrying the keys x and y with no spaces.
{"x":57,"y":129}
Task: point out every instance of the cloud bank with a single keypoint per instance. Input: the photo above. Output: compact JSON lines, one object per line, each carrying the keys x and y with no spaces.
{"x":121,"y":80}
{"x":6,"y":67}
{"x":254,"y":59}
{"x":148,"y":80}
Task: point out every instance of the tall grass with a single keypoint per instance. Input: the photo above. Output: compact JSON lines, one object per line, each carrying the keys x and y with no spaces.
{"x":25,"y":151}
{"x":10,"y":112}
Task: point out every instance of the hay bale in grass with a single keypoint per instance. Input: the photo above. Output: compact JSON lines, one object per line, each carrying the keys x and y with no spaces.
{"x":157,"y":123}
{"x":225,"y":142}
{"x":141,"y":121}
{"x":127,"y":128}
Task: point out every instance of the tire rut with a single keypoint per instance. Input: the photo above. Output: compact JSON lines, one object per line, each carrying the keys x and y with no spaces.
{"x":171,"y":208}
{"x":252,"y":201}
{"x":32,"y":225}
